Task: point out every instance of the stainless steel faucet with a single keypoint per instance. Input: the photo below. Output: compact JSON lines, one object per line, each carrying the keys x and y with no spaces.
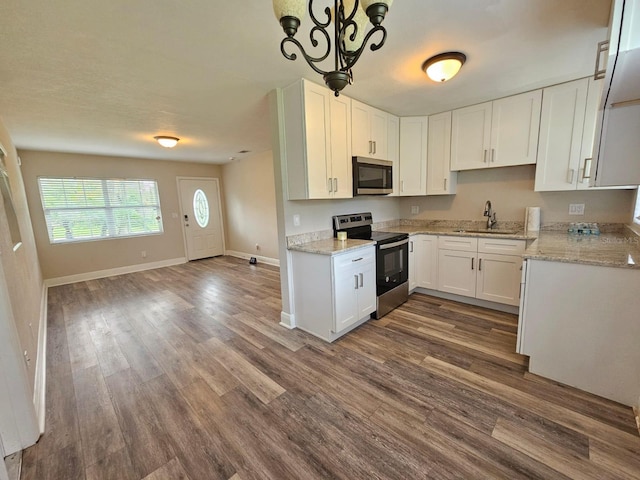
{"x":490,"y":214}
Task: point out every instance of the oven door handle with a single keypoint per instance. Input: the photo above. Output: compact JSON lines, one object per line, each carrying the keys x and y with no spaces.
{"x":394,"y":244}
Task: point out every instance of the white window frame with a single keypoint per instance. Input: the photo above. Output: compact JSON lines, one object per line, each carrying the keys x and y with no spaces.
{"x":109,"y":230}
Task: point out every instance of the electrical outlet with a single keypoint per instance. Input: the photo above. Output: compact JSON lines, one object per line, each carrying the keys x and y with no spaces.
{"x":296,"y":220}
{"x":257,"y":247}
{"x":143,"y":253}
{"x":576,"y":209}
{"x":415,"y":209}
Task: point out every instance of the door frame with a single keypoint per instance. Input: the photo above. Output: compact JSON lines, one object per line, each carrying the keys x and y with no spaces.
{"x":184,"y":229}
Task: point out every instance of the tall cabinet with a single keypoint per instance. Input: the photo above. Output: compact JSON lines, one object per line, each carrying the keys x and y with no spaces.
{"x":440,"y":179}
{"x":413,"y":155}
{"x":317,"y":142}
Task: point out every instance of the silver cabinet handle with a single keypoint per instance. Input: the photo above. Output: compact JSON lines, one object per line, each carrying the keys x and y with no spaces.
{"x":329,"y":185}
{"x":602,"y":47}
{"x":402,"y":185}
{"x":445,"y":183}
{"x":493,"y":155}
{"x":356,"y":278}
{"x":361,"y":279}
{"x":472,"y":259}
{"x":587,"y":168}
{"x":484,"y":156}
{"x":375,"y":147}
{"x":370,"y":146}
{"x":411,"y":247}
{"x":479,"y":264}
{"x":357,"y":259}
{"x":570,"y":175}
{"x":335,"y":185}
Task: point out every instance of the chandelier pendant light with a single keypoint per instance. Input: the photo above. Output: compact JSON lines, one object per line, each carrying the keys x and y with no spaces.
{"x":348,"y":37}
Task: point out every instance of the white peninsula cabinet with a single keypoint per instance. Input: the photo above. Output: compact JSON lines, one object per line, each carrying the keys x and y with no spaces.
{"x":587,"y":335}
{"x":369,"y":131}
{"x":413,"y":155}
{"x":483,"y":268}
{"x":317,"y":142}
{"x":496,"y":134}
{"x":334,"y":293}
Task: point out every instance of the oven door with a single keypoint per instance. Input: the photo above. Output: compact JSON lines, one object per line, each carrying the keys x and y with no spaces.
{"x":392,"y":265}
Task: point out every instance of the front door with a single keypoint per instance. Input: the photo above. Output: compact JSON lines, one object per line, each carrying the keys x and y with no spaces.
{"x":201,"y":217}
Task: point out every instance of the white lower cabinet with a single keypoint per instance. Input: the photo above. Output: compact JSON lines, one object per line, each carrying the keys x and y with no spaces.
{"x":333,"y":293}
{"x":423,"y":261}
{"x":485,"y":268}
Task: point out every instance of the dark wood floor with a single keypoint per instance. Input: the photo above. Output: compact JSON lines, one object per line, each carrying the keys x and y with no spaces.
{"x":184,"y":373}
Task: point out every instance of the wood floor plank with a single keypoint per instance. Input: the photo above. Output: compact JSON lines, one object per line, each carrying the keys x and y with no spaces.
{"x":147,"y":442}
{"x":171,"y":471}
{"x":99,"y":428}
{"x":116,"y":466}
{"x":622,"y":461}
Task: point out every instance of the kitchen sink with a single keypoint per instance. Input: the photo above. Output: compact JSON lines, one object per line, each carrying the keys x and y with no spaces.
{"x":492,"y":232}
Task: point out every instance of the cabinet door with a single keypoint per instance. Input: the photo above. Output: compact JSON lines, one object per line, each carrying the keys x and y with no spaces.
{"x":413,"y":253}
{"x":318,"y":139}
{"x":361,"y":144}
{"x":457,"y":272}
{"x":515,"y":122}
{"x":367,"y":300}
{"x":594,"y":94}
{"x":345,"y":284}
{"x":379,"y":133}
{"x":413,"y":156}
{"x":440,"y":179}
{"x":499,"y":278}
{"x":470,"y":137}
{"x":426,"y":264}
{"x":561,"y":123}
{"x":393,"y":151}
{"x":340,"y":175}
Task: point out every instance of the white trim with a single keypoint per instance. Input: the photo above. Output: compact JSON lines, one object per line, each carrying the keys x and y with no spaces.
{"x":269,"y":261}
{"x":468,"y":300}
{"x":287,"y":320}
{"x":83,"y":277}
{"x":39,"y":388}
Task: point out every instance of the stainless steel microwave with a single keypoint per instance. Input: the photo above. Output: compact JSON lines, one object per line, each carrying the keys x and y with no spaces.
{"x":372,"y":176}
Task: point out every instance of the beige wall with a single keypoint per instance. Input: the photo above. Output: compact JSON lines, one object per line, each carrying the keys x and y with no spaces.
{"x":76,"y":258}
{"x":510,"y":190}
{"x":250,"y":206}
{"x":21,"y":268}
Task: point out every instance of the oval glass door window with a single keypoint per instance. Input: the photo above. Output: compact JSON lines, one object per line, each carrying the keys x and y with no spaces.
{"x":201,"y":208}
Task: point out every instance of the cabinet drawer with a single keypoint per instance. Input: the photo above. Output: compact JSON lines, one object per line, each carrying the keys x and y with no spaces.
{"x":464,"y":244}
{"x":503,"y":246}
{"x":359,"y":256}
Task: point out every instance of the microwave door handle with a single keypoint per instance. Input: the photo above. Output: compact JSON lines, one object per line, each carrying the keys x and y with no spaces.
{"x":387,"y":246}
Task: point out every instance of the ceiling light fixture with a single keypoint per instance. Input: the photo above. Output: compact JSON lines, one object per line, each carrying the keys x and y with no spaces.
{"x":167,"y":142}
{"x":444,"y":66}
{"x":349,"y":39}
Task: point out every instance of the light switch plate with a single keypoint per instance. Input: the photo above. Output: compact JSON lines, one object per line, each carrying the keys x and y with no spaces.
{"x":576,"y":209}
{"x":296,"y":220}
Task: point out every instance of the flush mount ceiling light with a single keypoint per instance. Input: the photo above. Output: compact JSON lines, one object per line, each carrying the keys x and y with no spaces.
{"x":349,"y":39}
{"x":167,"y":142}
{"x":444,"y":66}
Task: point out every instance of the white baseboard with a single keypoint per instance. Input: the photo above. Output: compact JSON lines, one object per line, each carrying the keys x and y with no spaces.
{"x":83,"y":277}
{"x":39,"y":388}
{"x":287,"y":320}
{"x":269,"y":261}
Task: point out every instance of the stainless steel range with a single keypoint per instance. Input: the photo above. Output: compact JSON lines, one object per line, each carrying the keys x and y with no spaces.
{"x":392,"y":259}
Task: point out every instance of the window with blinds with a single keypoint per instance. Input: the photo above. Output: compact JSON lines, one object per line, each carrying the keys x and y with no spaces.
{"x":81,"y":209}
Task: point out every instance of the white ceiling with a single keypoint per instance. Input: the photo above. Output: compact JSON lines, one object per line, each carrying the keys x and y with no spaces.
{"x":104,"y":77}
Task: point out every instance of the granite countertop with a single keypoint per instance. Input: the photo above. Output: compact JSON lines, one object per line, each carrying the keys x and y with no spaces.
{"x":518,"y":233}
{"x":620,"y":249}
{"x":331,"y":246}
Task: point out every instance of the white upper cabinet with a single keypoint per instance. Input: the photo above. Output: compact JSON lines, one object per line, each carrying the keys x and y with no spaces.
{"x":496,"y":134}
{"x":413,"y":155}
{"x":561,"y":133}
{"x":440,"y":179}
{"x":471,"y":137}
{"x":393,"y":151}
{"x":317,"y":143}
{"x":369,"y":131}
